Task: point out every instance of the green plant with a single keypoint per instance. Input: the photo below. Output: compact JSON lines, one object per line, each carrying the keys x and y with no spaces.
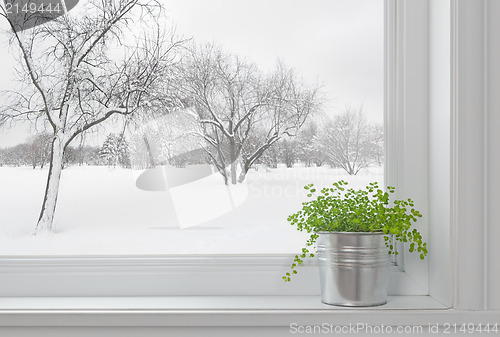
{"x":338,"y":209}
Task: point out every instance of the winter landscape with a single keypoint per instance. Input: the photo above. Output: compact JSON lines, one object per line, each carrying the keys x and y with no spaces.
{"x":101,"y":211}
{"x":126,"y":129}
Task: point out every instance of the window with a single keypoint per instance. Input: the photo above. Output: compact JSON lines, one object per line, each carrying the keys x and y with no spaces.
{"x":157,"y":186}
{"x":171,"y":274}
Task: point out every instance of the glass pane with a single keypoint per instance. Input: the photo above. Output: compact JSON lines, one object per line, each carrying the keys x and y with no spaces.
{"x":255,"y":100}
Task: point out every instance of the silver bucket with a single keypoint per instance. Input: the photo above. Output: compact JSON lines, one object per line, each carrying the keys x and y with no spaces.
{"x":353,"y":268}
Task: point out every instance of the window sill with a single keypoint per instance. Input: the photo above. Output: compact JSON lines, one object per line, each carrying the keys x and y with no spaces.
{"x":177,"y":311}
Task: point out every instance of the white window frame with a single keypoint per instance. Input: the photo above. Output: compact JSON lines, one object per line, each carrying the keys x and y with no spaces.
{"x":405,"y":120}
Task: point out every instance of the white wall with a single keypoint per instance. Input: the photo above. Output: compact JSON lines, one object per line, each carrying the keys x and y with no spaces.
{"x":475,"y":126}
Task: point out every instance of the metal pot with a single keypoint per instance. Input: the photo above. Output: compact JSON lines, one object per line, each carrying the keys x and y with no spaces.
{"x":353,"y":268}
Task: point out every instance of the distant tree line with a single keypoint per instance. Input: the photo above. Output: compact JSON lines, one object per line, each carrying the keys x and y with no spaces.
{"x":346,"y":141}
{"x":35,"y":153}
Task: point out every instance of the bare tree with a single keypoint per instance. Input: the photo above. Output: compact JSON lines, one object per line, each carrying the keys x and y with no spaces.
{"x":309,"y":145}
{"x":350,"y":142}
{"x":377,"y":145}
{"x":39,"y":149}
{"x":16,"y":155}
{"x":288,"y":151}
{"x":235,"y":101}
{"x":87,"y":155}
{"x":168,"y":140}
{"x":81,"y":70}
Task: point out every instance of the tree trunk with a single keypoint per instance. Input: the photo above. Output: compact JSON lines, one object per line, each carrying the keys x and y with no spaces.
{"x":150,"y":153}
{"x":243,"y":173}
{"x":232,"y":157}
{"x":350,"y":169}
{"x":46,"y":219}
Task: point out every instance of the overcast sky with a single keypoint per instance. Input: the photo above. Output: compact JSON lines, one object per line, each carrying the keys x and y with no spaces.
{"x":338,"y":43}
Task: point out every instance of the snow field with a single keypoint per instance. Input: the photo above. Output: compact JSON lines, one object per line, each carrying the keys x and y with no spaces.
{"x":100,"y":211}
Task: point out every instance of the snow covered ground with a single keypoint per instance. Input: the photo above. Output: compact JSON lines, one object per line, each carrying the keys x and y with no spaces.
{"x":101,"y":211}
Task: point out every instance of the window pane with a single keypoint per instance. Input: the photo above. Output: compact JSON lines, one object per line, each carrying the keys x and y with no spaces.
{"x":256,"y":99}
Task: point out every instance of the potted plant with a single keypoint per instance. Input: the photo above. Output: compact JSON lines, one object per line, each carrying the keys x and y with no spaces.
{"x":352,"y":231}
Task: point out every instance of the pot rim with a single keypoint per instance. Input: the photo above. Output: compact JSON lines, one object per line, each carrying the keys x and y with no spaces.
{"x":353,"y":233}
